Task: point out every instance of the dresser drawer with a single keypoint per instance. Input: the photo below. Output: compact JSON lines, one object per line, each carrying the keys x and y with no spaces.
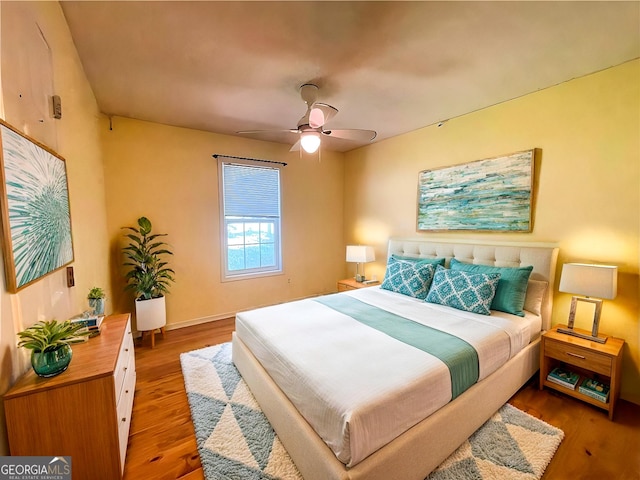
{"x":124,"y":358}
{"x":124,"y":409}
{"x":580,"y":357}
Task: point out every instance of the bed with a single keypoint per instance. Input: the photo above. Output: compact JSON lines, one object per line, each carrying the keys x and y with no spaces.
{"x":404,"y":426}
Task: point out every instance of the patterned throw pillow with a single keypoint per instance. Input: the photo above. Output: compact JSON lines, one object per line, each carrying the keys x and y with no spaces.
{"x":471,"y":292}
{"x":408,"y":277}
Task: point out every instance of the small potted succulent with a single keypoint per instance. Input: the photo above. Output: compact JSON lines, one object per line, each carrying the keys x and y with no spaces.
{"x":96,"y":298}
{"x":50,"y":347}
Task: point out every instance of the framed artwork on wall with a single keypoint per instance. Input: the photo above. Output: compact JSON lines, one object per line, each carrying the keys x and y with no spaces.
{"x":492,"y":195}
{"x":36,"y":218}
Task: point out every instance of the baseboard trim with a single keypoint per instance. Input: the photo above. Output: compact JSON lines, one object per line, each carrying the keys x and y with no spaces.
{"x":223,"y":316}
{"x":199,"y":321}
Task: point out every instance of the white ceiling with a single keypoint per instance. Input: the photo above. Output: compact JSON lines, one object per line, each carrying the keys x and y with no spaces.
{"x":392,"y":67}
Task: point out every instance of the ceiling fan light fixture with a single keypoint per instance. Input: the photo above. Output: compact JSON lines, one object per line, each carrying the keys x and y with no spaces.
{"x":310,"y":141}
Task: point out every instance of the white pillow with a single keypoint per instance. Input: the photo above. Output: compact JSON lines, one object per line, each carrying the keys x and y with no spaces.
{"x":535,"y":293}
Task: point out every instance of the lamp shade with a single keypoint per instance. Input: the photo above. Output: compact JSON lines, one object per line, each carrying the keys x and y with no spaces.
{"x":310,"y":141}
{"x":600,"y":281}
{"x":360,"y":254}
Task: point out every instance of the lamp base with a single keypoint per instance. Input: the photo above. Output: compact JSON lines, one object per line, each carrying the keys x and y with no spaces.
{"x":571,"y":331}
{"x":360,"y":278}
{"x":596,"y":320}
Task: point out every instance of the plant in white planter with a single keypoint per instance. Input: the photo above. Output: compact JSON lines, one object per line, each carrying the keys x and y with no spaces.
{"x":96,"y":298}
{"x":148,"y":276}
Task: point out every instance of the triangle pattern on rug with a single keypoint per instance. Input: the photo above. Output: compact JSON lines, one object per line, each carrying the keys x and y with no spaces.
{"x":532,"y":444}
{"x":228,"y":440}
{"x":236,"y":441}
{"x":228,"y":373}
{"x":236,"y":428}
{"x":494,"y":443}
{"x":218,"y":467}
{"x":278,"y":465}
{"x":257,"y":432}
{"x":209,"y":409}
{"x":243,"y":396}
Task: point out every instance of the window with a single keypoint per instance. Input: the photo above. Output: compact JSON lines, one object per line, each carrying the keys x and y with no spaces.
{"x":251,"y":220}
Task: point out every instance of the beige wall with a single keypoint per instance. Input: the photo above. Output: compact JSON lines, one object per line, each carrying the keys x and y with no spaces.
{"x":168,"y":175}
{"x":588,"y":184}
{"x":78,"y":141}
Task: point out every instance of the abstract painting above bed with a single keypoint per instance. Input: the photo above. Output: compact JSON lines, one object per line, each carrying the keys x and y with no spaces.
{"x":494,"y":194}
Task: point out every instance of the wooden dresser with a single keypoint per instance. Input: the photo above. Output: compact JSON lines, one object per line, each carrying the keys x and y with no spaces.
{"x":85,"y":411}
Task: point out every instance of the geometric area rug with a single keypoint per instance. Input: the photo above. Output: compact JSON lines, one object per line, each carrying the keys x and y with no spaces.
{"x":236,"y":442}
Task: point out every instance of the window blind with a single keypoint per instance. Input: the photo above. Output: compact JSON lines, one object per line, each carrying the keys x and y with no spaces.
{"x":251,"y":191}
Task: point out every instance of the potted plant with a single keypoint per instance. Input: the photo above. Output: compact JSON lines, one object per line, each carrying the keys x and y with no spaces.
{"x":148,"y":274}
{"x":50,"y":347}
{"x":96,"y":300}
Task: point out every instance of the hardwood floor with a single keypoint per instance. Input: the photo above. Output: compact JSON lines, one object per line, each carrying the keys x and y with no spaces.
{"x":162,"y":442}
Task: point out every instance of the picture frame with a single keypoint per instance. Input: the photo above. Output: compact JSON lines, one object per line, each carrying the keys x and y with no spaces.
{"x":490,"y":195}
{"x":35,"y":209}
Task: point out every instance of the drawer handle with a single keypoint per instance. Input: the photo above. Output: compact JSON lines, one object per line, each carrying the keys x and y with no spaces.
{"x":576,"y":355}
{"x":126,"y":349}
{"x":124,"y":419}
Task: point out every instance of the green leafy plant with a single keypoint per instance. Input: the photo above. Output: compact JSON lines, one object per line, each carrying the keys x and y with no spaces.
{"x":46,"y":336}
{"x":96,"y":293}
{"x":148,"y":275}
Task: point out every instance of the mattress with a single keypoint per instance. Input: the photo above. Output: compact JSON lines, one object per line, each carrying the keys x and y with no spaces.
{"x":358,"y":387}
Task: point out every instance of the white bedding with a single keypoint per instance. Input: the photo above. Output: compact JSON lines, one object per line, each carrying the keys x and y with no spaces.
{"x":315,"y":355}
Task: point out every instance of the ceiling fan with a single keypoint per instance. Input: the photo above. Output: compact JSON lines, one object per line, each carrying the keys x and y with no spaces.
{"x":311,"y":126}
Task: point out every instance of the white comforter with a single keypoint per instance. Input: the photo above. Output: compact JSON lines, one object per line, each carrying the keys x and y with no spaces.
{"x":356,"y":386}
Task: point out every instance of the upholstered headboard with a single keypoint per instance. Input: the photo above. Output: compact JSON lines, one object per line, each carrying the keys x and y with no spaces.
{"x":541,"y":256}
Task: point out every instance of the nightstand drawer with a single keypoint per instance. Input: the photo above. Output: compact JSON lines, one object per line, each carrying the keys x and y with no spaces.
{"x":580,"y":357}
{"x":351,"y":284}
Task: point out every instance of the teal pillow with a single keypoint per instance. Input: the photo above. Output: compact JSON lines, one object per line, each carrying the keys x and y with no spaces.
{"x":512,"y":287}
{"x":435,"y":261}
{"x":471,"y":292}
{"x":409,"y":278}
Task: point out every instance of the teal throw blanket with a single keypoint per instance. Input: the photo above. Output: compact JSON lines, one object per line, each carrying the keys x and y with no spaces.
{"x":457,"y":354}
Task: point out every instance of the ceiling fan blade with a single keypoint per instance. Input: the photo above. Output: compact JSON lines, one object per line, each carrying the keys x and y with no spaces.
{"x":320,"y":114}
{"x":251,"y":132}
{"x":295,"y":147}
{"x":352,"y":134}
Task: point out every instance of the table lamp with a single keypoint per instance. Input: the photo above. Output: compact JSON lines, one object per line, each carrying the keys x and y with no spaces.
{"x":360,"y":254}
{"x":600,"y":281}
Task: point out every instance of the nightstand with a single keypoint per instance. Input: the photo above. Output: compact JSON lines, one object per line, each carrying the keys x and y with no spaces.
{"x":602,"y":361}
{"x":351,"y":284}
